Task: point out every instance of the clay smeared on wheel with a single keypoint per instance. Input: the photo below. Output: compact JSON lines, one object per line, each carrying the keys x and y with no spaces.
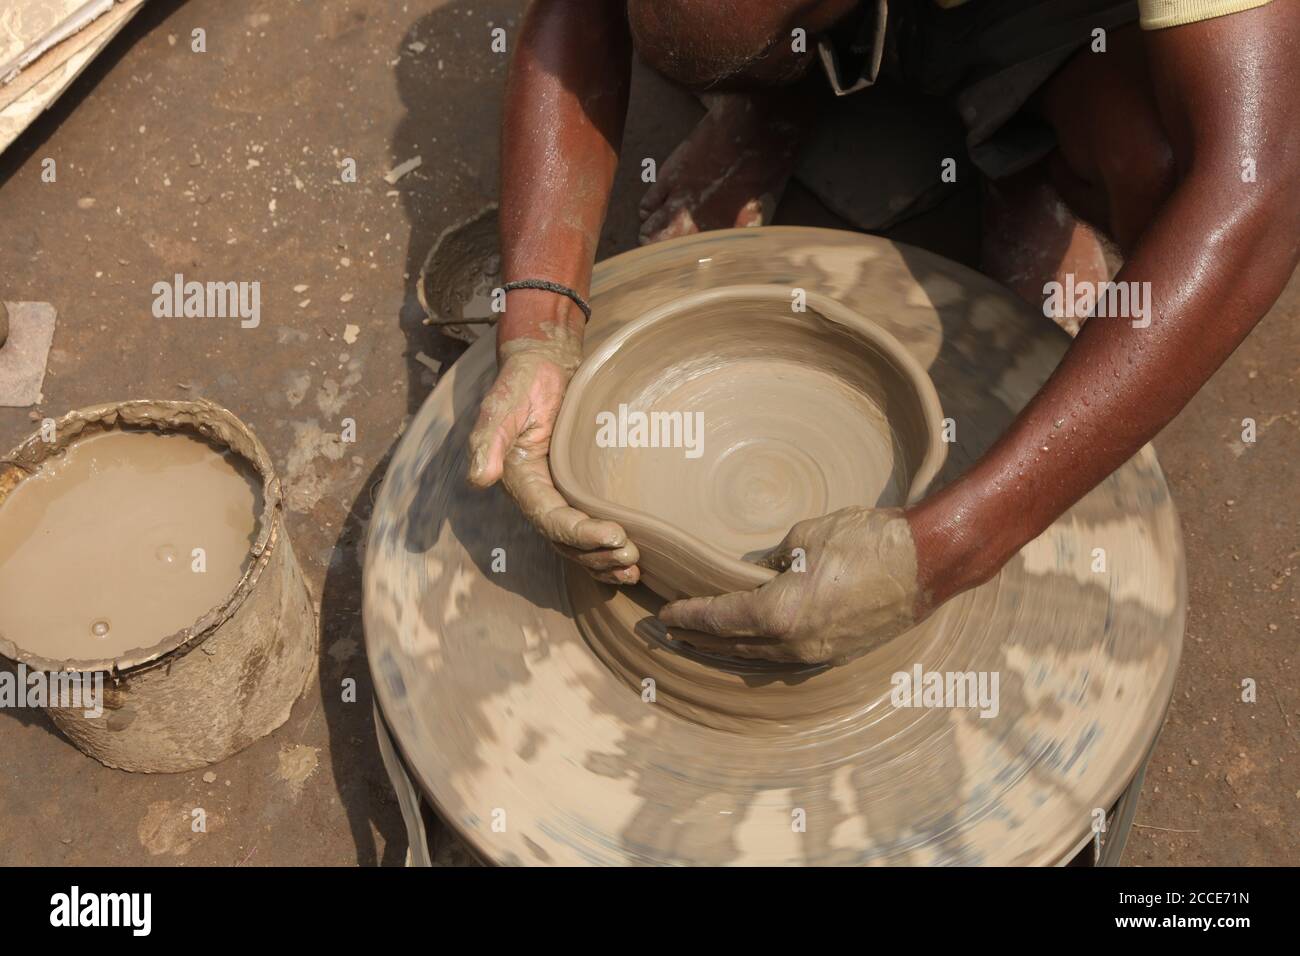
{"x":517,"y":696}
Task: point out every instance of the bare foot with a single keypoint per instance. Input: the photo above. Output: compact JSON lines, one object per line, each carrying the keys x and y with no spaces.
{"x":730,"y":171}
{"x":1030,"y":238}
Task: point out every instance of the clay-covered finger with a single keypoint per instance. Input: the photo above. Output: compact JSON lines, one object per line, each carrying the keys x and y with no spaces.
{"x":654,"y":197}
{"x":604,"y":559}
{"x":619,"y":576}
{"x":667,"y":222}
{"x":488,"y":444}
{"x":529,"y":483}
{"x":738,"y":614}
{"x":752,"y":648}
{"x":569,"y":526}
{"x":763,"y":649}
{"x":797,"y":537}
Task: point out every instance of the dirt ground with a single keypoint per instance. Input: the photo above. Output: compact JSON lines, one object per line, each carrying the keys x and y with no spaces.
{"x":225,"y":165}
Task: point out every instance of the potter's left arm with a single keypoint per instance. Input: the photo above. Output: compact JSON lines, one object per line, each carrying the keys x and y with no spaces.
{"x":1216,"y":255}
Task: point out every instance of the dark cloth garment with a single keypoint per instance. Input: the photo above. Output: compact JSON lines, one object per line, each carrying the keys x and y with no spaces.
{"x":987,"y":57}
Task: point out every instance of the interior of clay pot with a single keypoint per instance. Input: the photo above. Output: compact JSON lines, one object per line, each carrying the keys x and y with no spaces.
{"x":709,"y":426}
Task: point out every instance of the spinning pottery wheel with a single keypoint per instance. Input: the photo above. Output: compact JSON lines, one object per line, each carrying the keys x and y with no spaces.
{"x":515,"y":691}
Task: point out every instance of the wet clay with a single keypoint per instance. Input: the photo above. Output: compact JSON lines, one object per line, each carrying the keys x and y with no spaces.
{"x":626,"y":746}
{"x":708,"y":427}
{"x":97,"y":547}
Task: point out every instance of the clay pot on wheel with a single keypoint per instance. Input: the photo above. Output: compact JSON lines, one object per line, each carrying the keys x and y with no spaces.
{"x":710,"y":425}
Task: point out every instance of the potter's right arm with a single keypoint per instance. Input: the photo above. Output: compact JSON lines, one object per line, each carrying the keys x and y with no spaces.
{"x":565,"y":103}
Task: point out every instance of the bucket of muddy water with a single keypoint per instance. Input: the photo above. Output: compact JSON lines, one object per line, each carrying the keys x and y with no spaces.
{"x":148,"y":589}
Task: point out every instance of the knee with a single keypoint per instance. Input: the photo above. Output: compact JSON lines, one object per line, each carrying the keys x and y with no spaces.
{"x":1139,"y":173}
{"x":702,"y":44}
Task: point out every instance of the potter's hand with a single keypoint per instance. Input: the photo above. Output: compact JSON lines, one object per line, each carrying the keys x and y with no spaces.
{"x":511,"y":441}
{"x":858,"y":589}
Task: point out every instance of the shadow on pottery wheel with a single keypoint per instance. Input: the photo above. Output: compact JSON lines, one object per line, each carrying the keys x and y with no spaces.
{"x":710,"y":425}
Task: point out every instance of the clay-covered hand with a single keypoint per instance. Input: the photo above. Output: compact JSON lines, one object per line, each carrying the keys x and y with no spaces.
{"x":512,"y":439}
{"x":856,"y":590}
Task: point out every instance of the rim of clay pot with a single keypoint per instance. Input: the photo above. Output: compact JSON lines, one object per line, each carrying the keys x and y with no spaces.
{"x":753,"y":575}
{"x":203,"y":419}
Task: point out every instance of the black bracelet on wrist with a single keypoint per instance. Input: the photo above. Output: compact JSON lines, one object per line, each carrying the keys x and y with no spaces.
{"x":547,"y":286}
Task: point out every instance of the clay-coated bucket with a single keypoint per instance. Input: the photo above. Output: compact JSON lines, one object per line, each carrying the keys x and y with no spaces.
{"x":210,"y":689}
